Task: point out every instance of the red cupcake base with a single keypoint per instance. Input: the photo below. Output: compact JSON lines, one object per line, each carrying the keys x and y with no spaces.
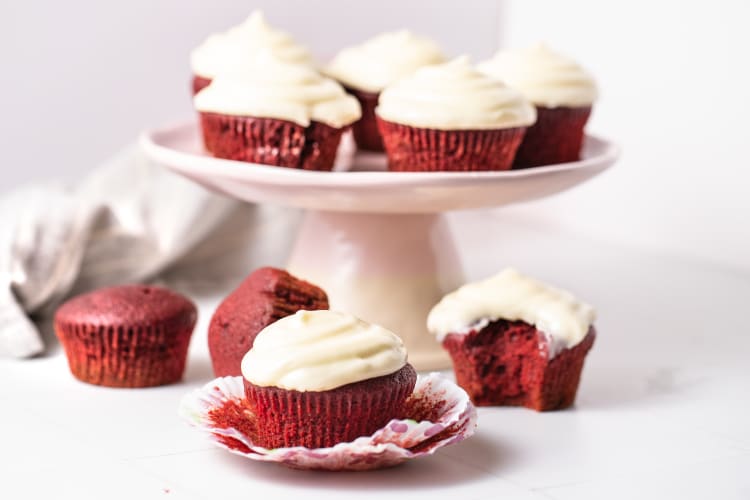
{"x":429,"y":150}
{"x":507,"y":364}
{"x":270,"y":141}
{"x":365,"y":130}
{"x":556,"y":137}
{"x":287,"y":418}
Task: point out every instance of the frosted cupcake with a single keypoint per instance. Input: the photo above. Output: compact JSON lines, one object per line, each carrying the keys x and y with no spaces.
{"x":563,"y":93}
{"x":318,"y":378}
{"x":452,"y":117}
{"x":366,"y":69}
{"x":275,"y":113}
{"x":515,"y":340}
{"x":238,"y":48}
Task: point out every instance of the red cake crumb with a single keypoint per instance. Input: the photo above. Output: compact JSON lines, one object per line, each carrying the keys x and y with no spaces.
{"x":314,"y":419}
{"x":199,"y":83}
{"x":431,"y":150}
{"x":507,"y":363}
{"x":271,"y":141}
{"x":265,"y":296}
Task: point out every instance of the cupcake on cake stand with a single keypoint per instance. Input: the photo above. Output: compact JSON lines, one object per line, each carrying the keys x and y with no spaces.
{"x":376,"y":241}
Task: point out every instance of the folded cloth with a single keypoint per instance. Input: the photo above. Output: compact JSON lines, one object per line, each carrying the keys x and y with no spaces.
{"x":128,"y":221}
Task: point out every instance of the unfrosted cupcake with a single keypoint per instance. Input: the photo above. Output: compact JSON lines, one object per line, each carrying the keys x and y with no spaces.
{"x":451,"y":117}
{"x":563,"y":93}
{"x":275,"y":113}
{"x":238,"y":47}
{"x":515,"y":340}
{"x":318,"y":378}
{"x":366,"y":69}
{"x":126,"y":336}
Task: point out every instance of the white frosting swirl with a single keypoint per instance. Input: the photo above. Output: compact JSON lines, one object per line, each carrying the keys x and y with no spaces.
{"x":239,"y":46}
{"x":383,"y":59}
{"x":512,"y":296}
{"x":454,"y":96}
{"x":321,"y":350}
{"x":277,"y":89}
{"x":545,"y":77}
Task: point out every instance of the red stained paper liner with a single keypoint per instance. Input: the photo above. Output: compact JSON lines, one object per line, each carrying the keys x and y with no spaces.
{"x":366,"y":133}
{"x":413,"y":149}
{"x":437,"y":414}
{"x":321,"y":419}
{"x":270,"y":141}
{"x":508,"y":364}
{"x":556,"y":137}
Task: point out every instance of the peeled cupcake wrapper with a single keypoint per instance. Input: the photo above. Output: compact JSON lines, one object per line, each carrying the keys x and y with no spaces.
{"x":453,"y":419}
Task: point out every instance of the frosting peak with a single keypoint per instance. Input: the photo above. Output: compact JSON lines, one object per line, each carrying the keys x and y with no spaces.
{"x":321,"y":350}
{"x":509,"y":295}
{"x":453,"y":96}
{"x":240,"y":45}
{"x":383,"y":59}
{"x":272,"y":88}
{"x":544,"y":76}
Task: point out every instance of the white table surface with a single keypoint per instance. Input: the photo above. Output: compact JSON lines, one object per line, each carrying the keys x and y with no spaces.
{"x":663,"y":410}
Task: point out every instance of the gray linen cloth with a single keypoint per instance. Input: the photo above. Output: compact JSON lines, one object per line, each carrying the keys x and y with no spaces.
{"x":129,"y":221}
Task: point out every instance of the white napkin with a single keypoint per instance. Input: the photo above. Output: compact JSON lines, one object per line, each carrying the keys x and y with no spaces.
{"x":127,"y":222}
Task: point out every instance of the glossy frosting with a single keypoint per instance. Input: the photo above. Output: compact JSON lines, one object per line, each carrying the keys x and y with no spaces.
{"x":454,"y":96}
{"x":321,"y":350}
{"x":545,"y":77}
{"x":278,"y":89}
{"x":510,"y":295}
{"x":238,"y":47}
{"x":383,"y":59}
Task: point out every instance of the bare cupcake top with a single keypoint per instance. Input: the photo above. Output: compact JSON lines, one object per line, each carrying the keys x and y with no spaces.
{"x":276,"y":89}
{"x":454,"y":96}
{"x":321,"y":350}
{"x":547,"y":78}
{"x":512,"y":296}
{"x":238,"y":47}
{"x":383,"y":59}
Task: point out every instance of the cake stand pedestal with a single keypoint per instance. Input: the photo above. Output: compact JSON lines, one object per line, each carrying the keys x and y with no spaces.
{"x":376,"y":241}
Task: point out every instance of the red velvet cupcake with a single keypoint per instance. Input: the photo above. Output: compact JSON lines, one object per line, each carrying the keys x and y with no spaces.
{"x":366,"y":69}
{"x":515,"y":341}
{"x":239,"y":46}
{"x":563,"y":93}
{"x":265,"y":296}
{"x":449,"y":117}
{"x":319,"y":378}
{"x":275,"y":113}
{"x":126,"y":336}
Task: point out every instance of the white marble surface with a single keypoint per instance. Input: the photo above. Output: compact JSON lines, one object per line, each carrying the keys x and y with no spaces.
{"x":662,"y":410}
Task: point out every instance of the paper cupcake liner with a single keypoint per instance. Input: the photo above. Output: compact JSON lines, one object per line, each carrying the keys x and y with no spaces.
{"x":438,"y":414}
{"x":199,"y":83}
{"x":265,"y":296}
{"x":489,"y":369}
{"x":125,"y":356}
{"x":321,"y":419}
{"x":556,"y":137}
{"x":270,"y":141}
{"x":428,"y":150}
{"x":365,"y":130}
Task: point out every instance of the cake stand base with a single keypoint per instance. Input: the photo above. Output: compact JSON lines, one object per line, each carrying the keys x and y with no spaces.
{"x":388,"y":269}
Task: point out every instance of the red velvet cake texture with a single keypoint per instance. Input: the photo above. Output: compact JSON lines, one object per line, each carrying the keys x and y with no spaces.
{"x":365,"y":130}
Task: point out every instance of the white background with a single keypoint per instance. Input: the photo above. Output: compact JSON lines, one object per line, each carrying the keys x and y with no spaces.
{"x":81,"y":78}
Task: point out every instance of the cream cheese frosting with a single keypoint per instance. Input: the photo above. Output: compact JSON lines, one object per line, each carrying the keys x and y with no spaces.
{"x":383,"y":59}
{"x":239,"y":46}
{"x":544,"y":76}
{"x":453,"y":96}
{"x":277,"y":89}
{"x":320,"y":351}
{"x":510,"y":295}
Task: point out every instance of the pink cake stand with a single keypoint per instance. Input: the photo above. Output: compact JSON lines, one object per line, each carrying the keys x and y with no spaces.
{"x":376,"y":241}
